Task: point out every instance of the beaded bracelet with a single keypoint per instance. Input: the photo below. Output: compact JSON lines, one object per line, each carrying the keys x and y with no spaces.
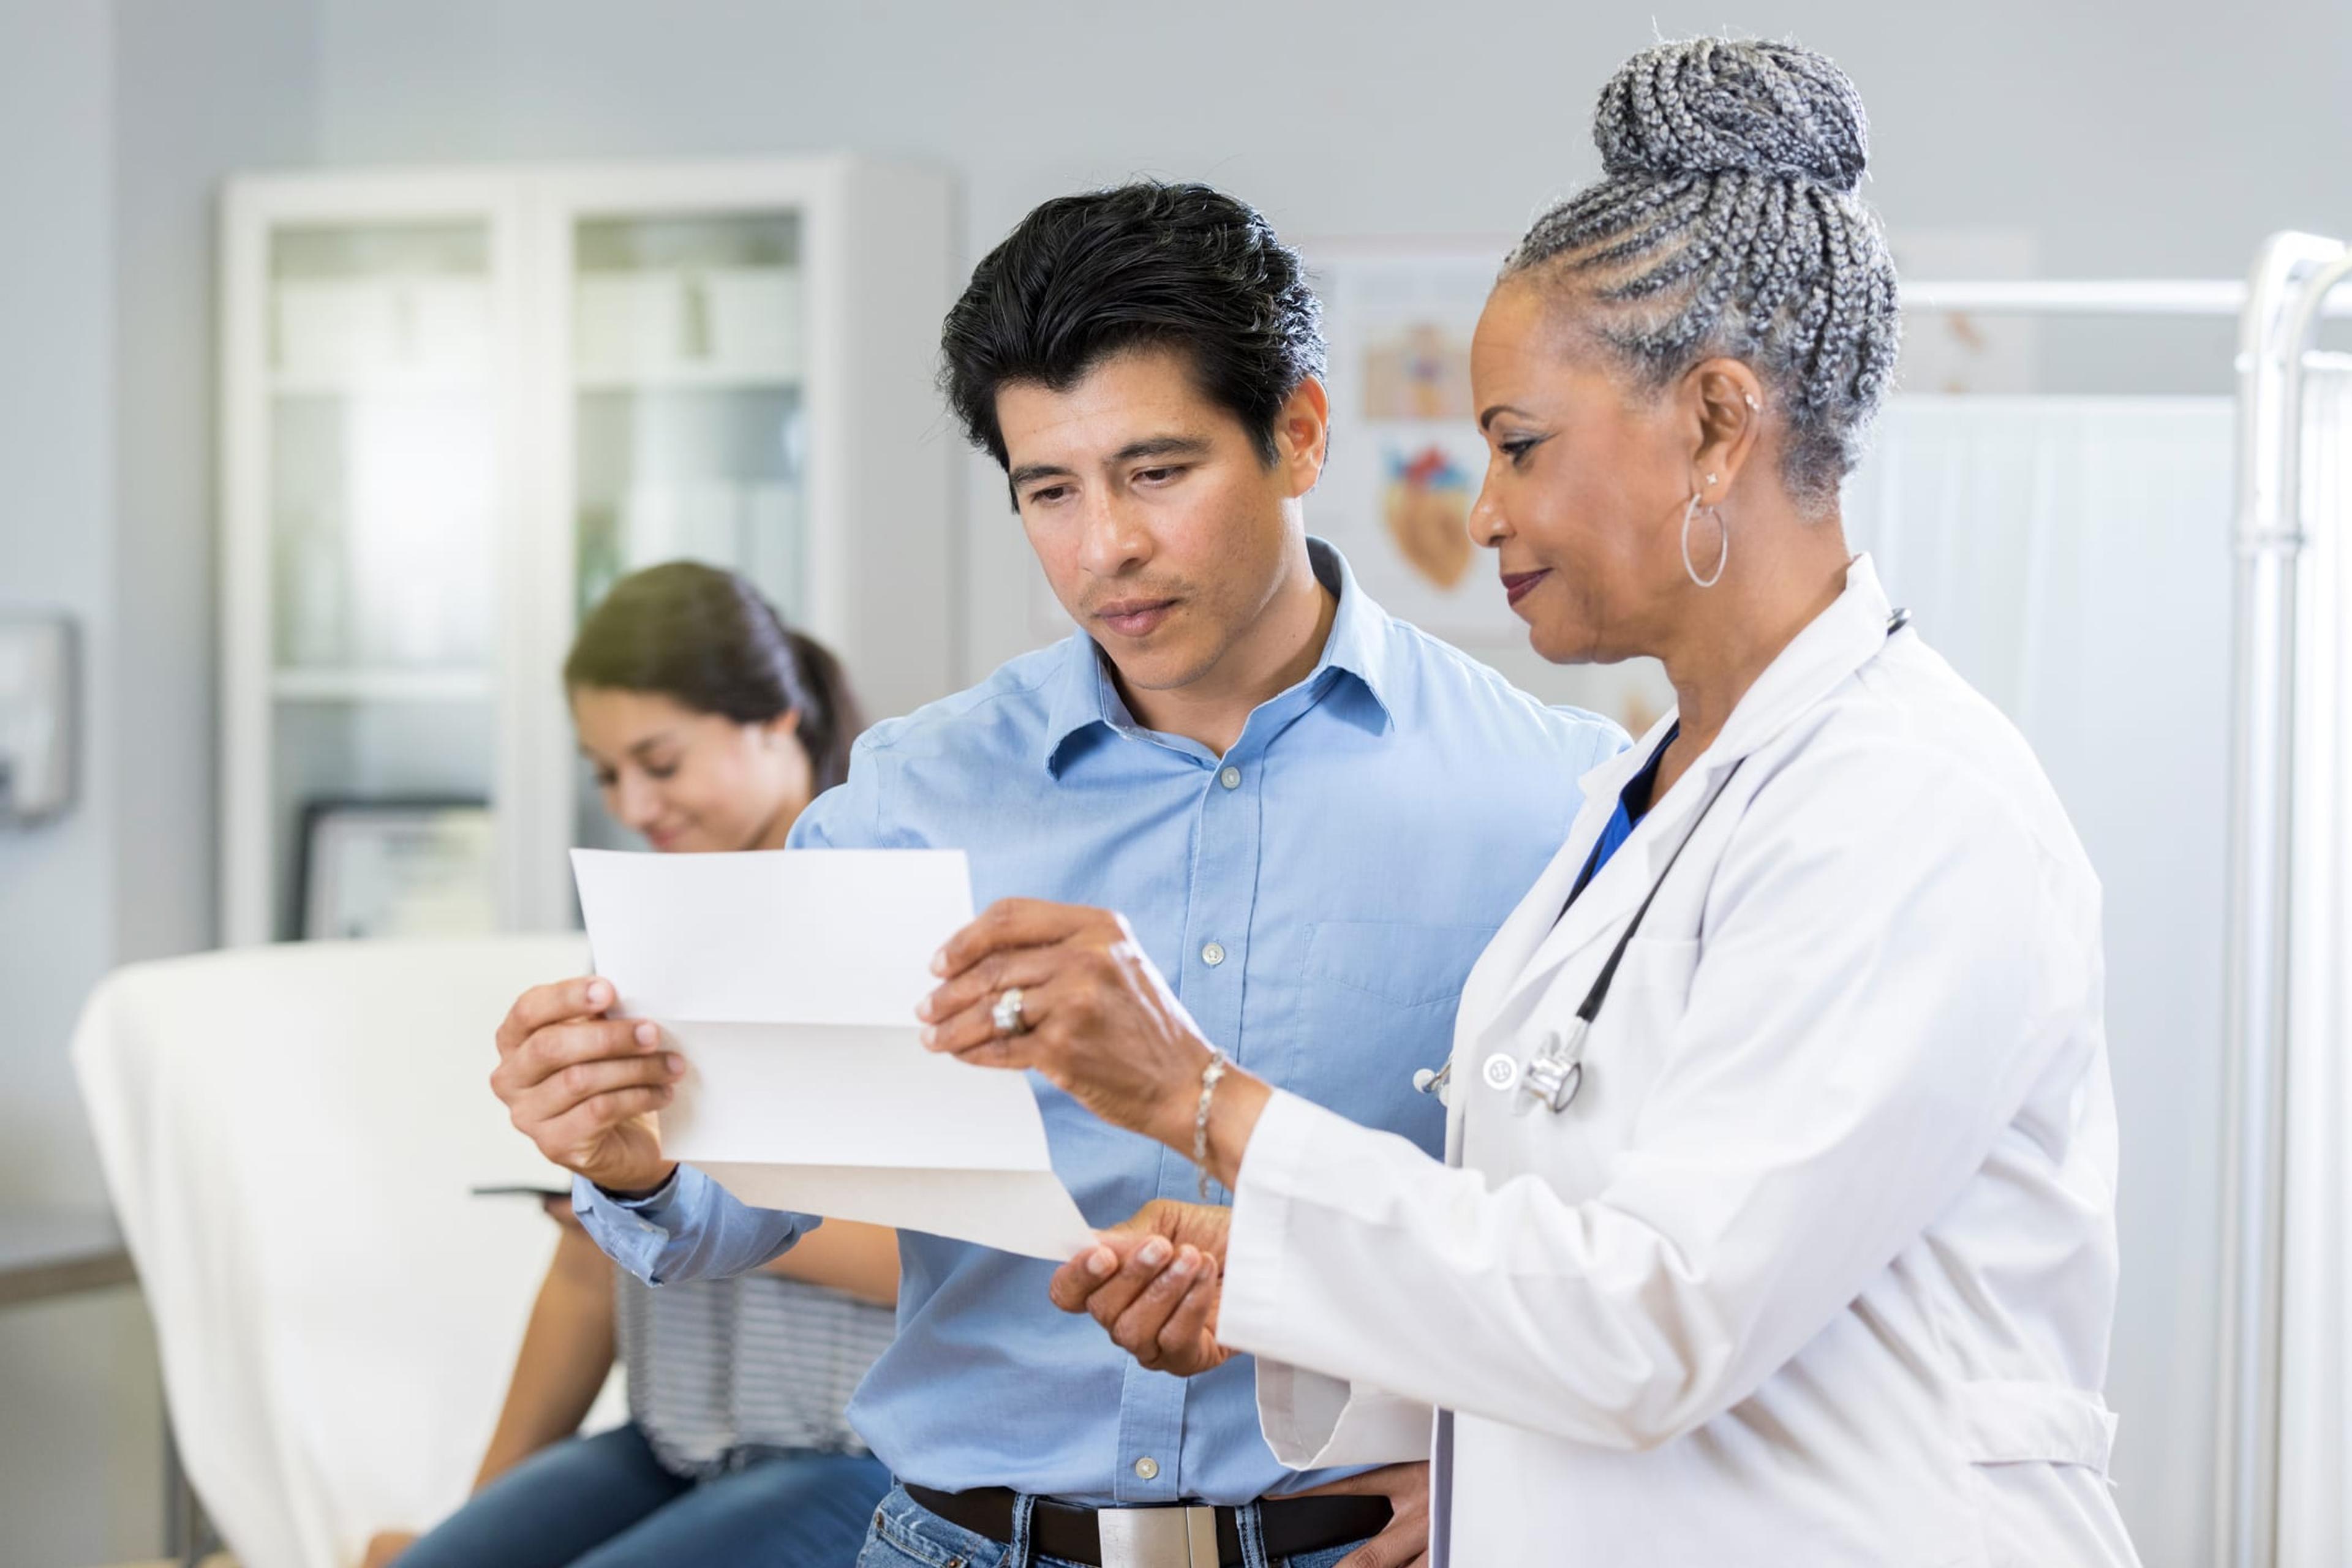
{"x":1208,"y":1077}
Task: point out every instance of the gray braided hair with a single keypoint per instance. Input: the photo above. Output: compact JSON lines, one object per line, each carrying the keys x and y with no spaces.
{"x":1726,"y":223}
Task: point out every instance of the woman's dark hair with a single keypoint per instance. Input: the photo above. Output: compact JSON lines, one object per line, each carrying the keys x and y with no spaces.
{"x":1145,"y":264}
{"x":708,"y":639}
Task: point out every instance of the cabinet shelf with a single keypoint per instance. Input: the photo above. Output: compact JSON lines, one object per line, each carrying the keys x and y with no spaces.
{"x":689,"y":378}
{"x":379,"y":384}
{"x":333,"y":684}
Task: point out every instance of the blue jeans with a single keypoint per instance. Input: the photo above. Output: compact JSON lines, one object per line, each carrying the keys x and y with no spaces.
{"x":905,"y":1534}
{"x":606,"y":1502}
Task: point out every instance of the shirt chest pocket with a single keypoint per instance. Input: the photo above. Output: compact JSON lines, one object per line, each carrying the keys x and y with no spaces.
{"x":1397,"y":963}
{"x":1375,"y":1001}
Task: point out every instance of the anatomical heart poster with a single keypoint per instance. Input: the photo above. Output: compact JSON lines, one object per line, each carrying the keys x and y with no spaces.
{"x":1406,"y":456}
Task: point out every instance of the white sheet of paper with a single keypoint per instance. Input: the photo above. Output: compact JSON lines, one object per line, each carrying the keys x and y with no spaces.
{"x":789,"y":980}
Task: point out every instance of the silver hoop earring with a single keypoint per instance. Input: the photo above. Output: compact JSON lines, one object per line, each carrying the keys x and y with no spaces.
{"x":1722,"y":560}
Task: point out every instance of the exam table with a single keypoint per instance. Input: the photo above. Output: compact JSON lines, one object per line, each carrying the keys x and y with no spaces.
{"x":289,"y":1136}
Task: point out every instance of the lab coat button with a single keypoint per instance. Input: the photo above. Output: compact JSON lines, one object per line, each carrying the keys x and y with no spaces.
{"x":1502,"y":1070}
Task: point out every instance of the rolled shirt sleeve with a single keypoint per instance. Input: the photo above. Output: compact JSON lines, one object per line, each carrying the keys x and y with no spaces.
{"x":689,"y":1227}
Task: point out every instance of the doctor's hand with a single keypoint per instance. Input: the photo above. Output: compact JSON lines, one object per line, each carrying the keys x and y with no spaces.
{"x":583,"y":1087}
{"x":1404,"y":1542}
{"x":1097,"y":1018}
{"x":1152,"y":1283}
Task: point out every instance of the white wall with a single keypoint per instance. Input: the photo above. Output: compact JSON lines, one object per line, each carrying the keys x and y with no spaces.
{"x":116,"y":123}
{"x":55,"y":539}
{"x":200,"y":92}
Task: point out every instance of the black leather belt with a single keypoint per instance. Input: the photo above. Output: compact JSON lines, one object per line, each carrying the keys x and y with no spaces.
{"x":1290,"y":1526}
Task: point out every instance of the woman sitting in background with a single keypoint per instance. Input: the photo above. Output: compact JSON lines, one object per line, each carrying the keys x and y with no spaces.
{"x":711,"y":726}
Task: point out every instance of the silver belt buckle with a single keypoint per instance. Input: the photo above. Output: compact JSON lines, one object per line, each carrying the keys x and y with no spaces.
{"x":1181,"y":1536}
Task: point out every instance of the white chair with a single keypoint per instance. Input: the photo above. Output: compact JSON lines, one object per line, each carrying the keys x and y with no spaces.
{"x":290,"y":1134}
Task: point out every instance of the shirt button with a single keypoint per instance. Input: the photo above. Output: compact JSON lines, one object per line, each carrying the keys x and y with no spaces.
{"x":1147,"y":1468}
{"x":1213,"y":955}
{"x":1231,"y":778}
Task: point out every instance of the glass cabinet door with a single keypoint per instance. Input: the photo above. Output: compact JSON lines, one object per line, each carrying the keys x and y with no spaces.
{"x":381,"y":419}
{"x":688,"y":337}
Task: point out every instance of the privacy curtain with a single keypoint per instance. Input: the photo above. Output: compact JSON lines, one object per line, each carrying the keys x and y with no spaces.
{"x":2070,"y":557}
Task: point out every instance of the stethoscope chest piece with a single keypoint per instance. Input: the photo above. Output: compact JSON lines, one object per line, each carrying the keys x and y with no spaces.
{"x":1554,"y":1073}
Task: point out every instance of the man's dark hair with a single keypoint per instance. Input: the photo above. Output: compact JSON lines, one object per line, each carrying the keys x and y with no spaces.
{"x":1146,"y":265}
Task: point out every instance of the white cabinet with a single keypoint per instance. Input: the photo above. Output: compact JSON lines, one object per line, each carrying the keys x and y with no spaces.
{"x":458,"y":404}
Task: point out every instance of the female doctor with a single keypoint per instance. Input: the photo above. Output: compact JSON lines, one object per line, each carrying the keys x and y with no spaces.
{"x":1777,"y":1221}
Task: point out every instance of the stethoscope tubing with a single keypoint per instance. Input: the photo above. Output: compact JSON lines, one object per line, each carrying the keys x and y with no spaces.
{"x":1554,"y":1072}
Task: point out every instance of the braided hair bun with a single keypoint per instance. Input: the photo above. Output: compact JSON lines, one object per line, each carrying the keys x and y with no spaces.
{"x":1726,"y":222}
{"x":1713,"y":107}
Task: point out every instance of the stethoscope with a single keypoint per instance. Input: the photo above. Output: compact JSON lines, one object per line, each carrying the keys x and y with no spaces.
{"x":1551,"y":1076}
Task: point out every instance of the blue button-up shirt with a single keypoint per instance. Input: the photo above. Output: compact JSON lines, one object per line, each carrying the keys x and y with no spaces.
{"x":1315,"y":896}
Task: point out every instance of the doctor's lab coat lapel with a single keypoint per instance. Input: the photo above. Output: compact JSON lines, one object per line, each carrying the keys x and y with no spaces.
{"x":1530,"y":928}
{"x":1538,"y":940}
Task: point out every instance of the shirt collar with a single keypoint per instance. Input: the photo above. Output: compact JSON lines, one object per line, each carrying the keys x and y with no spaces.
{"x":1085,"y":696}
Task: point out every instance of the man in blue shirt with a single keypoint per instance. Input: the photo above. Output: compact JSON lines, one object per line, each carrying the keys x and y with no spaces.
{"x":1313,"y":817}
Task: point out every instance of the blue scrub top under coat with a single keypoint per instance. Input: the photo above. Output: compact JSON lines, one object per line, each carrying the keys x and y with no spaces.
{"x":1633,"y":805}
{"x":1315,"y":896}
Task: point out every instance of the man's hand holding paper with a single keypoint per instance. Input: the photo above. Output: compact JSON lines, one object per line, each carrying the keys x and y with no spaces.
{"x":787,"y":983}
{"x":583,"y":1087}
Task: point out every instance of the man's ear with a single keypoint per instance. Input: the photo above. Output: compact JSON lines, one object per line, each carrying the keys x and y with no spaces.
{"x":1302,"y":435}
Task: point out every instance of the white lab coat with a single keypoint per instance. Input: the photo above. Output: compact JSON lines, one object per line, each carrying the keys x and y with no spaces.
{"x":1818,"y":1268}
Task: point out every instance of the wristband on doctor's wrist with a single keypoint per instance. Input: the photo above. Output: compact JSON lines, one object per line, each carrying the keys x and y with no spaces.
{"x":1212,"y":1073}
